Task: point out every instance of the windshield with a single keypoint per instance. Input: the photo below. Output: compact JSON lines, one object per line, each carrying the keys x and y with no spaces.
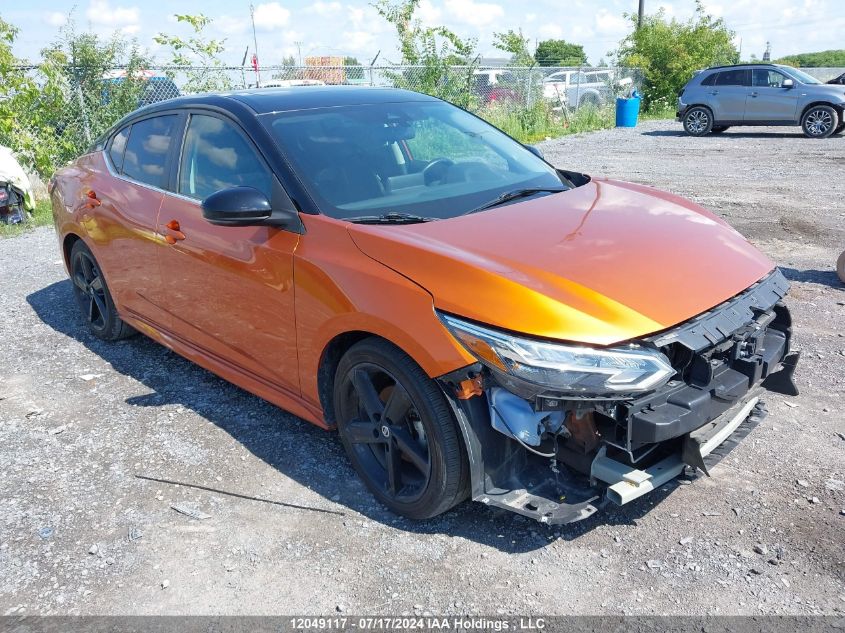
{"x":429,"y":159}
{"x":801,"y":76}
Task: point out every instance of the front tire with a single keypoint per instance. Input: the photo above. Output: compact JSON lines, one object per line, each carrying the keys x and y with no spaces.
{"x":93,"y":296}
{"x":698,"y":121}
{"x":840,"y":267}
{"x":399,"y":431}
{"x":819,"y":121}
{"x":839,"y":129}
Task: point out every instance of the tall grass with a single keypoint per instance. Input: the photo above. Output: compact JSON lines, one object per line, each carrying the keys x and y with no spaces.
{"x":541,"y":122}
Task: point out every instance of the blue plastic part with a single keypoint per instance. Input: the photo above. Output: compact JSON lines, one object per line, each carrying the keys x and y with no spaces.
{"x":627,"y":111}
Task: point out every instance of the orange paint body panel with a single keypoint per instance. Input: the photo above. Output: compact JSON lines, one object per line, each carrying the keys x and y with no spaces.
{"x":599,"y":264}
{"x":259,"y":306}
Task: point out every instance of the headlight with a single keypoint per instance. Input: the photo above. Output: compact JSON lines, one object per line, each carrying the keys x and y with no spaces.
{"x":565,"y":369}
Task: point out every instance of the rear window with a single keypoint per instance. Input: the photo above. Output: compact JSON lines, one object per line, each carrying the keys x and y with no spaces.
{"x":738,"y":77}
{"x":118,"y":144}
{"x":145,"y":159}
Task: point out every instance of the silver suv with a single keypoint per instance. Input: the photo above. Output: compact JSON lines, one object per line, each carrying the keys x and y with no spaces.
{"x":760,"y":94}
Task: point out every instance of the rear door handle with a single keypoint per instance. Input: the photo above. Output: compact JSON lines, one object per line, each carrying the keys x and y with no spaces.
{"x":175,"y":233}
{"x":714,"y":92}
{"x":92,"y":201}
{"x":753,"y":94}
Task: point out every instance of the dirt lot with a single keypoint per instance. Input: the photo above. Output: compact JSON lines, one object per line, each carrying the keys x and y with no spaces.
{"x":81,"y":420}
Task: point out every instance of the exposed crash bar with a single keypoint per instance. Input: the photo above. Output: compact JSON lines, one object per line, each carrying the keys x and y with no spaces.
{"x":627,"y":484}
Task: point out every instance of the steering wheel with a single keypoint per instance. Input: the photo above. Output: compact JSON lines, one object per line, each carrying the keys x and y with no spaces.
{"x":436,"y":170}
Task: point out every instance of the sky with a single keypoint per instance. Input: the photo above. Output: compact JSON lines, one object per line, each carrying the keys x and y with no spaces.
{"x":352,"y":27}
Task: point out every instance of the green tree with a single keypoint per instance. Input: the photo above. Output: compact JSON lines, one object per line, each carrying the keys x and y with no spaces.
{"x":198,"y":55}
{"x":434,"y":50}
{"x":669,"y":51}
{"x":354,"y":70}
{"x":52,"y":112}
{"x":517,"y":45}
{"x":821,"y":59}
{"x":560,"y":53}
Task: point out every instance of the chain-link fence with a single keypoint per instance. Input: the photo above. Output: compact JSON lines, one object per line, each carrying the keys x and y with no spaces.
{"x":57,"y":112}
{"x":64,"y":110}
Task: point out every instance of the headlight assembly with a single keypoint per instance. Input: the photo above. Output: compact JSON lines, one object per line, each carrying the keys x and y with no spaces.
{"x":576,"y":371}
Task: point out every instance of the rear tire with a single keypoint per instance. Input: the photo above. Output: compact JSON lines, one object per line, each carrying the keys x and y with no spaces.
{"x":840,"y":267}
{"x":839,"y":129}
{"x":819,"y":121}
{"x":399,"y":431}
{"x":93,"y":296}
{"x":698,"y":121}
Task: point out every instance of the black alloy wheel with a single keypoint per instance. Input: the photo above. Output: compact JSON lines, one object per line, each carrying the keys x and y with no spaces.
{"x":399,"y":431}
{"x":92,"y":295}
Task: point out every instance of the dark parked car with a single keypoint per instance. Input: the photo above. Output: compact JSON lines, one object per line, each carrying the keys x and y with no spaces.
{"x":838,"y":80}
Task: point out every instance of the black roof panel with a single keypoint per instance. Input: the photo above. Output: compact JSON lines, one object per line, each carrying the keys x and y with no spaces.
{"x":263,"y":100}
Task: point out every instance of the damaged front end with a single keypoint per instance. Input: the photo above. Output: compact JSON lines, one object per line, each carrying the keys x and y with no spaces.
{"x":555,"y":431}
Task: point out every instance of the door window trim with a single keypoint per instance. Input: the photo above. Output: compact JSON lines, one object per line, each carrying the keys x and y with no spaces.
{"x":178,"y":130}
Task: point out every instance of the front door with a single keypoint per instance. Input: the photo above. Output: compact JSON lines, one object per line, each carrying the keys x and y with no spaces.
{"x":768,"y":100}
{"x":229,"y":290}
{"x":728,"y":95}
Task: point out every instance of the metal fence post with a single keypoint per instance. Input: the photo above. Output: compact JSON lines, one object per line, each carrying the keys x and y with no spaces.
{"x":578,"y":89}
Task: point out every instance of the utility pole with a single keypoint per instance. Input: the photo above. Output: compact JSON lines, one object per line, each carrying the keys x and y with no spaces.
{"x":299,"y":50}
{"x":640,"y":14}
{"x":255,"y":45}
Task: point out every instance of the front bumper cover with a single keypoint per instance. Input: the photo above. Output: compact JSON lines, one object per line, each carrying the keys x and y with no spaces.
{"x":727,"y":357}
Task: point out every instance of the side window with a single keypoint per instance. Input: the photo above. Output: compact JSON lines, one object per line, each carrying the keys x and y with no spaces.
{"x":763,"y":78}
{"x":145,"y":159}
{"x":216,"y":156}
{"x":709,"y":80}
{"x":733,"y":78}
{"x":118,"y":145}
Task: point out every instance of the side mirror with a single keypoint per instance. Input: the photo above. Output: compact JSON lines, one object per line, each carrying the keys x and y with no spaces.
{"x":536,"y":151}
{"x":788,"y":83}
{"x":244,"y":206}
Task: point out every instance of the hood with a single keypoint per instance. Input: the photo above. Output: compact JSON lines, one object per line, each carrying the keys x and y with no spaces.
{"x":602,"y":263}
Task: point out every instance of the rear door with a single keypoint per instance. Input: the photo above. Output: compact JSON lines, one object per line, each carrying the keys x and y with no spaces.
{"x":728,"y":94}
{"x":768,"y":100}
{"x":124,"y":227}
{"x":229,"y":289}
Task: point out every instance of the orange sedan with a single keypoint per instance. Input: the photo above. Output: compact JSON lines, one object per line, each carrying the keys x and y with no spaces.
{"x":473,"y":321}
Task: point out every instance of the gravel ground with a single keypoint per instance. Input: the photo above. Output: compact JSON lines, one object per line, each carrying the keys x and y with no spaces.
{"x":81,"y":420}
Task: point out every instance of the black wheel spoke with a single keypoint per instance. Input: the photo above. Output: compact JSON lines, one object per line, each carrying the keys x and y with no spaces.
{"x":92,"y":307}
{"x":79,"y":280}
{"x":394,"y":468}
{"x":398,"y":405}
{"x":414,"y":452}
{"x":367,"y":395}
{"x":363,"y":432}
{"x":87,"y":268}
{"x":101,"y":307}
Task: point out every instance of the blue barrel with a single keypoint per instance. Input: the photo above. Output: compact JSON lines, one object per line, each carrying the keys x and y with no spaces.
{"x":627,"y":111}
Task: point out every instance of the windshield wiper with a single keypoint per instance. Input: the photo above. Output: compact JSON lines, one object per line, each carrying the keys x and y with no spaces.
{"x":394,"y":217}
{"x":513,"y":195}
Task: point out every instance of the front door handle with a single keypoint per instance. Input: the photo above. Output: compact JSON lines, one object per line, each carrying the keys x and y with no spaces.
{"x":714,"y":92}
{"x":175,"y":233}
{"x":753,"y":94}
